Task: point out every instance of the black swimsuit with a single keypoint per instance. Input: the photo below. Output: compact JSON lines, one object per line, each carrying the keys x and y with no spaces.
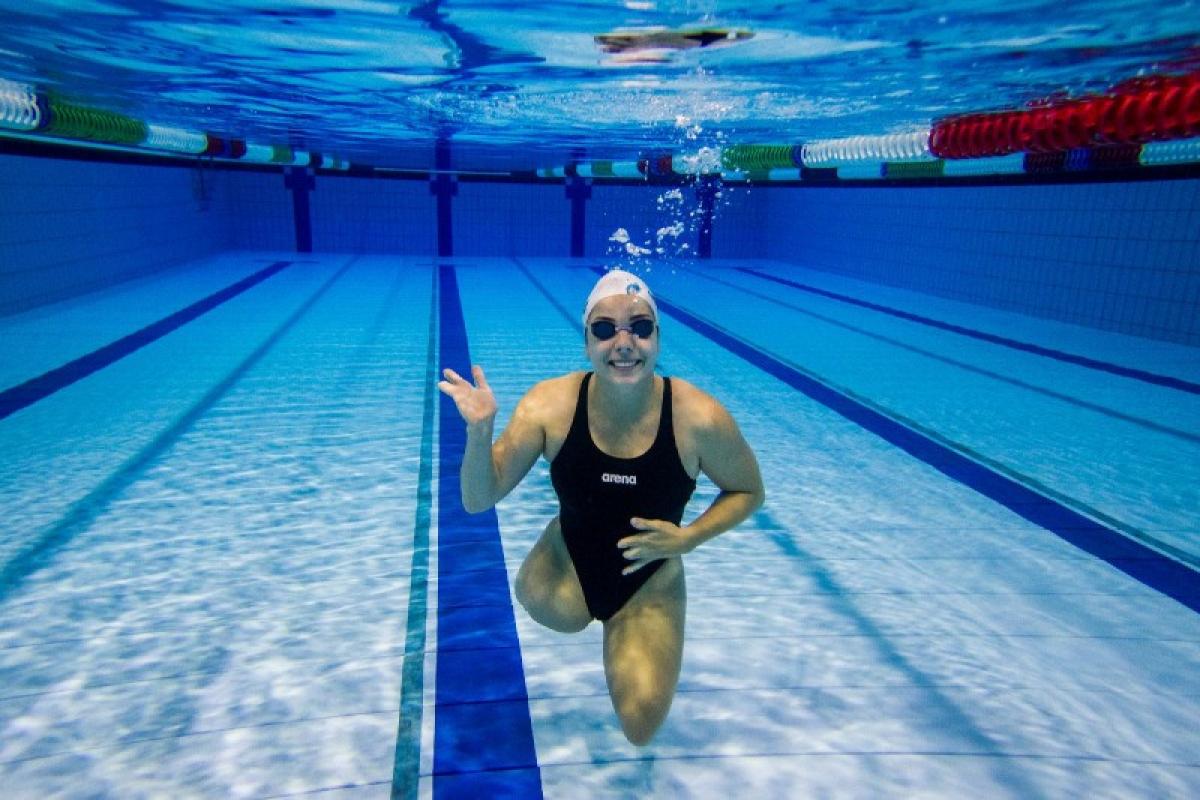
{"x":598,"y":493}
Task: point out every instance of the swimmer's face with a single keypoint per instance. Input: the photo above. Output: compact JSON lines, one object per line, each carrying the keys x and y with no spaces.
{"x":626,"y":357}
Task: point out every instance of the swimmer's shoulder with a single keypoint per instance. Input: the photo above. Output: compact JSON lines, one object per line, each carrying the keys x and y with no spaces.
{"x":696,"y":409}
{"x":550,"y":406}
{"x":553,"y":399}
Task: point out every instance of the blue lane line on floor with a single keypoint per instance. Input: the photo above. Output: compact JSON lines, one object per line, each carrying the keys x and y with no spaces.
{"x":35,"y":389}
{"x":483,"y":735}
{"x":1131,"y":557}
{"x":966,"y":366}
{"x":1028,"y":347}
{"x":43,"y":547}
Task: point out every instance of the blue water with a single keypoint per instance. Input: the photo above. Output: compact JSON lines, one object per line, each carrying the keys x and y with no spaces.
{"x":525,"y":85}
{"x":234,"y":559}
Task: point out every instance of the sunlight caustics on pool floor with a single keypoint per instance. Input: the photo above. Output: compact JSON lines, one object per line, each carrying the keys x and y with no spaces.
{"x":230,"y":561}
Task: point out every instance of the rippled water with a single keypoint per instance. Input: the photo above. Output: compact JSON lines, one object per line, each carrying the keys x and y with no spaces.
{"x":517,"y":85}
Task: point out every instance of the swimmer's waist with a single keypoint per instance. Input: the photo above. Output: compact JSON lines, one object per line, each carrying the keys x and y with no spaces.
{"x":601,"y":516}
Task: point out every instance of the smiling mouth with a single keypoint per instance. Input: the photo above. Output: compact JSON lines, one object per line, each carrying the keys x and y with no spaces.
{"x":625,"y":364}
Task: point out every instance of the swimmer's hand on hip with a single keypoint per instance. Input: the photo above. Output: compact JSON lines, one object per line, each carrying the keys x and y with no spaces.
{"x":476,"y":403}
{"x":660,"y":539}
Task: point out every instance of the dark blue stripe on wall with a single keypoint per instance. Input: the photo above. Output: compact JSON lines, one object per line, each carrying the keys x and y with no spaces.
{"x":1131,"y":557}
{"x":26,"y":394}
{"x":578,"y":192}
{"x":444,"y":187}
{"x":483,"y":736}
{"x":300,"y":181}
{"x":1070,"y":358}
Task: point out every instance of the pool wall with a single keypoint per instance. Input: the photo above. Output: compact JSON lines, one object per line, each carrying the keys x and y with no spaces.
{"x":70,"y":227}
{"x":1123,"y":257}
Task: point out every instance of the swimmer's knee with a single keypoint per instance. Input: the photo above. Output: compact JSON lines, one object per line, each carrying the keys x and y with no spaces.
{"x":554,"y":610}
{"x":530,"y":595}
{"x":523,"y":587}
{"x":640,"y":734}
{"x":641,"y":719}
{"x":547,"y":615}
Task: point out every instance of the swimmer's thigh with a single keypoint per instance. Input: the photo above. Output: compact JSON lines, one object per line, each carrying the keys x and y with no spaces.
{"x":643,"y":651}
{"x":548,"y":587}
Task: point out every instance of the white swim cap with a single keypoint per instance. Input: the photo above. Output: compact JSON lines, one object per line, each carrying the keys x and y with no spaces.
{"x":615,"y":282}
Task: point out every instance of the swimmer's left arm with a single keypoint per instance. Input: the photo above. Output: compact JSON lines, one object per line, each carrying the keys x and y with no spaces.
{"x":728,"y":461}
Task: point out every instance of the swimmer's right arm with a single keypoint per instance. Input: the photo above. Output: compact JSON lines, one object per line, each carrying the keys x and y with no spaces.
{"x":490,"y":471}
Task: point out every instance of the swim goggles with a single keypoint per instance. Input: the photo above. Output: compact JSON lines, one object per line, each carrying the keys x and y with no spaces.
{"x":604,"y":329}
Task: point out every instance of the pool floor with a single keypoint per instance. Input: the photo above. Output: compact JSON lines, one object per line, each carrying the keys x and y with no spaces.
{"x":230,"y":567}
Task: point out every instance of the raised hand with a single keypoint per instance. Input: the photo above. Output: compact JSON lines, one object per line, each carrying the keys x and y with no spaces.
{"x":476,"y":403}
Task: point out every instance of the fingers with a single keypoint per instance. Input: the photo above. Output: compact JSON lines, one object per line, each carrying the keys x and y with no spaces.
{"x":646,"y":548}
{"x":454,"y":385}
{"x":453,"y":377}
{"x":636,"y":548}
{"x":635,"y":566}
